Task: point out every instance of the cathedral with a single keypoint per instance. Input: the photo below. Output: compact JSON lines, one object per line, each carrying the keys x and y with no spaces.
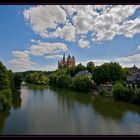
{"x":66,"y":62}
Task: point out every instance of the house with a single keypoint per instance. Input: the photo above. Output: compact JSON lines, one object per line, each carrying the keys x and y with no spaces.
{"x":134,"y":80}
{"x":84,"y":72}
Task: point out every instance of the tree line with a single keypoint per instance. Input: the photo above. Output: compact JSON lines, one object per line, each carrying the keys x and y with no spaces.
{"x":65,"y":77}
{"x":9,"y":84}
{"x":106,"y":73}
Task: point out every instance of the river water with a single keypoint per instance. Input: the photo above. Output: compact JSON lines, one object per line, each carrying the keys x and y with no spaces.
{"x":43,"y":110}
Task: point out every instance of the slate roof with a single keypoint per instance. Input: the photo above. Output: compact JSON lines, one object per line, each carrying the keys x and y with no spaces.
{"x":83,"y":72}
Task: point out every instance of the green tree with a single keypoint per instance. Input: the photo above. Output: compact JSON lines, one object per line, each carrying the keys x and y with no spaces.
{"x":126,"y":72}
{"x":37,"y":78}
{"x":80,"y":67}
{"x":10,"y":76}
{"x":7,"y":86}
{"x":4,"y":83}
{"x":53,"y":79}
{"x":104,"y":92}
{"x":115,"y":72}
{"x":108,"y":72}
{"x":101,"y":74}
{"x":81,"y":83}
{"x":122,"y":93}
{"x":71,"y":71}
{"x":90,"y":66}
{"x":17,"y":81}
{"x":63,"y":81}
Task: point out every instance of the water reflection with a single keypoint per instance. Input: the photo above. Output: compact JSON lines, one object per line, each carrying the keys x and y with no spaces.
{"x":3,"y":117}
{"x":36,"y":87}
{"x":16,"y":103}
{"x":114,"y":109}
{"x":50,"y":110}
{"x":104,"y":106}
{"x":68,"y":98}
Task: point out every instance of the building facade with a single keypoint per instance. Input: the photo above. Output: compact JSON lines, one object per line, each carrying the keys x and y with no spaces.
{"x":66,"y":62}
{"x":133,"y":80}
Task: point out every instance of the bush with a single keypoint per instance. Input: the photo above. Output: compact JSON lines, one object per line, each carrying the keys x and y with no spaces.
{"x":37,"y":78}
{"x":122,"y":93}
{"x":7,"y":93}
{"x":5,"y":99}
{"x":104,"y":92}
{"x":81,"y":83}
{"x":136,"y":98}
{"x":63,"y":81}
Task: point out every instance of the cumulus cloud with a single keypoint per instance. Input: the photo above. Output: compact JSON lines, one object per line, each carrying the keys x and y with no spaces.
{"x":138,"y":47}
{"x":47,"y":48}
{"x":46,"y":68}
{"x":44,"y":17}
{"x":130,"y":28}
{"x":83,"y":43}
{"x":35,"y":41}
{"x":97,"y":62}
{"x":53,"y":56}
{"x":21,"y":54}
{"x":131,"y":58}
{"x":21,"y":63}
{"x":68,"y":32}
{"x":21,"y":60}
{"x":127,"y":61}
{"x":104,"y":21}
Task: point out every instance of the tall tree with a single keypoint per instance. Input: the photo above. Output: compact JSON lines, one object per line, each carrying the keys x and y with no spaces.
{"x":90,"y":66}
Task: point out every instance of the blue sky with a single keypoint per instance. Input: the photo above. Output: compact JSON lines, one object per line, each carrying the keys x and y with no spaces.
{"x":35,"y":37}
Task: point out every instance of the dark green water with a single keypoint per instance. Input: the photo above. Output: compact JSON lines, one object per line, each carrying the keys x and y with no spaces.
{"x":42,"y":110}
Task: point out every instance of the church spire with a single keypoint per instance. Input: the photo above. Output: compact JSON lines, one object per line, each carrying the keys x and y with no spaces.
{"x":64,"y":57}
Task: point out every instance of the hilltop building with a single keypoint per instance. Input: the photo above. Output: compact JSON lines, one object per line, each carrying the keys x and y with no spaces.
{"x":66,"y":62}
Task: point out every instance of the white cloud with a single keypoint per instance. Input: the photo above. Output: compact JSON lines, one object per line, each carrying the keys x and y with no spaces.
{"x":138,"y":47}
{"x":17,"y":67}
{"x":127,"y":61}
{"x":53,"y":56}
{"x":105,"y":21}
{"x":130,"y":28}
{"x":83,"y":23}
{"x":21,"y":60}
{"x":21,"y":64}
{"x":47,"y":48}
{"x":21,"y":54}
{"x":45,"y":68}
{"x":83,"y":43}
{"x":68,"y":32}
{"x":97,"y":62}
{"x":35,"y":41}
{"x":132,"y":58}
{"x":44,"y":17}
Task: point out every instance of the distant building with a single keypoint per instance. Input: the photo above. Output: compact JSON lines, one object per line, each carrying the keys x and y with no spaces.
{"x":66,"y":62}
{"x":84,"y":72}
{"x":134,"y":69}
{"x":134,"y":79}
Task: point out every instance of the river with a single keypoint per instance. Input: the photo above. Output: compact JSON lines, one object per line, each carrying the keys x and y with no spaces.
{"x":44,"y":110}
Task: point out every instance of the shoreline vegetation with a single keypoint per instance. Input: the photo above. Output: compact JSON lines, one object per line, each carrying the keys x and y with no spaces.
{"x":107,"y":80}
{"x":9,"y":87}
